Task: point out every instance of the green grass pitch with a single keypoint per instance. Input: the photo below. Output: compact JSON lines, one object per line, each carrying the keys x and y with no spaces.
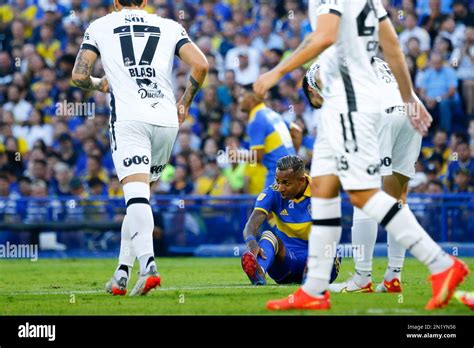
{"x":194,"y":286}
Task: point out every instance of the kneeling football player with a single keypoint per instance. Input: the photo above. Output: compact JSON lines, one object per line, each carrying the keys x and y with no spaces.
{"x":283,"y":252}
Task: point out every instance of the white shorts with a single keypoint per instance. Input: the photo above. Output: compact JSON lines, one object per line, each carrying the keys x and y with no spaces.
{"x":347,"y":146}
{"x":400,"y":144}
{"x":139,"y":147}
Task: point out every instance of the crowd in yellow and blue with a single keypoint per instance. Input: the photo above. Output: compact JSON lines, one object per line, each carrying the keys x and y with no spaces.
{"x":54,"y":137}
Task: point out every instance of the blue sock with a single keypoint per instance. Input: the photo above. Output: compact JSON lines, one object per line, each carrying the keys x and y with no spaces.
{"x":269,"y":251}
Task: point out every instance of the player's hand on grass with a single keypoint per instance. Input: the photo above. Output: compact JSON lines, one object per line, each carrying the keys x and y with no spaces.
{"x":419,"y":117}
{"x":183,"y":111}
{"x":266,"y":81}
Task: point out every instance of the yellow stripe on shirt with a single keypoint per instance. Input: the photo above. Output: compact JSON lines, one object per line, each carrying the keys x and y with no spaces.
{"x":273,"y":141}
{"x":293,"y":230}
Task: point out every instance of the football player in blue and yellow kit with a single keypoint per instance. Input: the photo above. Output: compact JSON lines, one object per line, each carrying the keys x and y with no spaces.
{"x":282,"y":253}
{"x":270,"y":137}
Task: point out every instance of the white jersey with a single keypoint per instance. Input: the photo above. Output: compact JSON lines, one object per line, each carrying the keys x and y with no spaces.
{"x":348,"y":78}
{"x":137,"y":50}
{"x":388,"y":86}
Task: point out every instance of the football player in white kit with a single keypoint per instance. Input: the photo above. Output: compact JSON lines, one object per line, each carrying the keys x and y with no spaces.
{"x":137,"y":50}
{"x":400,"y":146}
{"x":347,"y":150}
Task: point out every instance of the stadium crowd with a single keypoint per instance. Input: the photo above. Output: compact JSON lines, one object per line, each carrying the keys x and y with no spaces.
{"x":54,"y":137}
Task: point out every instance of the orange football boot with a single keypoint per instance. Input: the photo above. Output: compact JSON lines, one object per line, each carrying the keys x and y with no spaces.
{"x":444,"y":284}
{"x":301,"y":300}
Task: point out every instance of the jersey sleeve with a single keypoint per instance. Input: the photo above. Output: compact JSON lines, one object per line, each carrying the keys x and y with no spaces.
{"x":328,"y":6}
{"x":90,"y":41}
{"x":381,"y":12}
{"x":182,"y":38}
{"x":256,"y":133}
{"x":264,"y":201}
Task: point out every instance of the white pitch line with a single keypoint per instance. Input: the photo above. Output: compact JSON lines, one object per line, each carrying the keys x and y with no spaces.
{"x":176,"y":288}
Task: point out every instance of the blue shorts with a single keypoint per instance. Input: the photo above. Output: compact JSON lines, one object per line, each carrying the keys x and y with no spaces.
{"x":293,"y":268}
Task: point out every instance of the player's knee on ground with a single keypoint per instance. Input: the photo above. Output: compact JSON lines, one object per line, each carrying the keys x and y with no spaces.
{"x":268,"y":235}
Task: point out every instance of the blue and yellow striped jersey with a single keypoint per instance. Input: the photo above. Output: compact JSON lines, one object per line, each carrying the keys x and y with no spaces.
{"x":292,"y":217}
{"x":267,"y":130}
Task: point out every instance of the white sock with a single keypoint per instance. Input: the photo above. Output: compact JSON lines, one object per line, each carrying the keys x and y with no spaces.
{"x":140,"y":222}
{"x":364,"y":235}
{"x":396,"y":257}
{"x":127,"y":253}
{"x":323,"y":239}
{"x":401,"y":223}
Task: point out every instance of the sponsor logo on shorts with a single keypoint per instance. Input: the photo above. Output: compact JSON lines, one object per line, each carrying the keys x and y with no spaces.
{"x":373,"y":169}
{"x":157,"y":169}
{"x":386,"y":162}
{"x":127,"y":162}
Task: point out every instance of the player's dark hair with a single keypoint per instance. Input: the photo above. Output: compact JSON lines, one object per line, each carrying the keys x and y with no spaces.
{"x":306,"y":88}
{"x":291,"y":162}
{"x":130,"y":2}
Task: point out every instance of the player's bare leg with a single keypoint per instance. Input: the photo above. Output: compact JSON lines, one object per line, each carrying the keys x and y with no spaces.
{"x":446,"y":272}
{"x":140,"y":228}
{"x":364,"y":235}
{"x":324,"y":237}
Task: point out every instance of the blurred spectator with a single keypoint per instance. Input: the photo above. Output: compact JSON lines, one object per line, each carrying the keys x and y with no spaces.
{"x":36,"y":129}
{"x":412,"y":30}
{"x":470,"y":131}
{"x":432,"y":21}
{"x":94,"y":169}
{"x":463,"y":60}
{"x":434,"y":187}
{"x":461,"y":13}
{"x":96,"y":186}
{"x":62,"y":179}
{"x":414,"y":52}
{"x":241,"y":40}
{"x":115,"y":189}
{"x":4,"y":186}
{"x":67,"y":151}
{"x":181,"y":185}
{"x":243,"y":59}
{"x":20,"y":108}
{"x":6,"y":71}
{"x":39,"y":171}
{"x":48,"y":47}
{"x":212,"y":182}
{"x":77,"y":188}
{"x":196,"y":165}
{"x":462,"y":160}
{"x":234,"y":171}
{"x":24,"y":186}
{"x":266,"y":39}
{"x":463,"y":182}
{"x":438,"y":89}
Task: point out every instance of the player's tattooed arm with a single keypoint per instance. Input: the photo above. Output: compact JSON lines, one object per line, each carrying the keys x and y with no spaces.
{"x":191,"y":89}
{"x":193,"y":56}
{"x":251,"y":230}
{"x":81,"y":73}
